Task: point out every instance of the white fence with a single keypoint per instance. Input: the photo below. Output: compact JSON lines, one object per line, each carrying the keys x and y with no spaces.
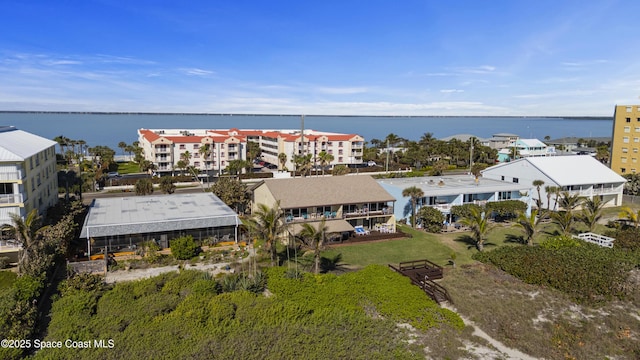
{"x":596,"y":239}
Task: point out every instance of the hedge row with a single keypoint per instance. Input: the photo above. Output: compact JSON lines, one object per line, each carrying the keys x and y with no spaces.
{"x":184,"y":315}
{"x":587,"y":272}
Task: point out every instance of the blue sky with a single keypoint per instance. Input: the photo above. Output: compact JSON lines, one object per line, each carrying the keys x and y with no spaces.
{"x":366,"y":57}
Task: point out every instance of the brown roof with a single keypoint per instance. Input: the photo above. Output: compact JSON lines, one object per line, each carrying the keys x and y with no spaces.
{"x":325,"y":191}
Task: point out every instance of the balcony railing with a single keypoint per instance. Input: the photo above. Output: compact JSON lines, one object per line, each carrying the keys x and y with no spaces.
{"x":10,"y":198}
{"x":10,"y":175}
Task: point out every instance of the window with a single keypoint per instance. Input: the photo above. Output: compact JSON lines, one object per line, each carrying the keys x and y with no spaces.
{"x":340,"y":159}
{"x":629,"y":109}
{"x":635,"y":139}
{"x":515,"y":180}
{"x":502,"y":178}
{"x":628,"y":120}
{"x":340,"y":144}
{"x":634,"y":160}
{"x":196,"y":164}
{"x":196,"y":146}
{"x":623,"y":170}
{"x":183,"y":146}
{"x":625,"y":139}
{"x":627,"y":129}
{"x":635,"y":150}
{"x":623,"y":159}
{"x":624,"y":150}
{"x":504,"y":195}
{"x":196,"y":155}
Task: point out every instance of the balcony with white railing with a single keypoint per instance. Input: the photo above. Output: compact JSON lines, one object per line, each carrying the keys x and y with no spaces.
{"x":11,"y":175}
{"x":10,"y":198}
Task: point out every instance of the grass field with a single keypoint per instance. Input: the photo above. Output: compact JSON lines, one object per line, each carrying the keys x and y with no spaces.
{"x":128,"y":168}
{"x":435,"y":247}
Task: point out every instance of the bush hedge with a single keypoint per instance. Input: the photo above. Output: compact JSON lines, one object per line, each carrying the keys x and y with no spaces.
{"x":183,"y":315}
{"x":587,"y":272}
{"x":183,"y":248}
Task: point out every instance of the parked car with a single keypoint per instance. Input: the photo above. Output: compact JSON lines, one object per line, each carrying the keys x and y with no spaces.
{"x":371,"y":163}
{"x":113,"y":174}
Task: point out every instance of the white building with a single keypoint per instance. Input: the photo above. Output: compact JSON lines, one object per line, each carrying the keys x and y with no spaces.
{"x":578,"y":174}
{"x":166,"y":147}
{"x":526,"y":148}
{"x":28,"y":176}
{"x":444,"y":192}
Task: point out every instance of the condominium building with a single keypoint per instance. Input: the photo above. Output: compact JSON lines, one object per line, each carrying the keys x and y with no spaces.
{"x":625,"y":143}
{"x":205,"y":150}
{"x":28,"y":176}
{"x":165,"y":147}
{"x":346,"y":149}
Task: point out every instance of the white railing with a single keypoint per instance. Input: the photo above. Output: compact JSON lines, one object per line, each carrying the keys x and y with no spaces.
{"x":11,"y":199}
{"x":10,"y":175}
{"x":598,"y":239}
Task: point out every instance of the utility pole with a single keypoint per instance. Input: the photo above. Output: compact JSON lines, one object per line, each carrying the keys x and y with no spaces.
{"x":471,"y":156}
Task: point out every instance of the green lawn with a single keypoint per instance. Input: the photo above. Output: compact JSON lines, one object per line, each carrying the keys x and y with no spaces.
{"x":128,"y":168}
{"x":434,"y":247}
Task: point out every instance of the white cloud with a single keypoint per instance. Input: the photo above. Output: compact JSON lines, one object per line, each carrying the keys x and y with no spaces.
{"x":342,"y":90}
{"x":196,"y":72}
{"x":449,"y":91}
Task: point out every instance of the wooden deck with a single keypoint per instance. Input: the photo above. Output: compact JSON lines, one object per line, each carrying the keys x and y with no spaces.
{"x":422,"y":274}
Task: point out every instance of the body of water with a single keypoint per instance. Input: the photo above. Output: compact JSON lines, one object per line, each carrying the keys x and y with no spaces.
{"x":110,"y":128}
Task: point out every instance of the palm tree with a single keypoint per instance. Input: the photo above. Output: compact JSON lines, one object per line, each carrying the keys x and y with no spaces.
{"x":479,"y":224}
{"x":282,"y":159}
{"x":626,"y":213}
{"x":267,"y":224}
{"x":549,"y":190}
{"x":314,"y":239}
{"x":303,"y":163}
{"x":186,"y":157}
{"x":205,"y":151}
{"x":565,"y":218}
{"x":62,"y":141}
{"x":144,"y":187}
{"x":538,"y":184}
{"x":414,"y":193}
{"x":325,"y":159}
{"x":25,"y":232}
{"x":570,"y":202}
{"x":592,"y":212}
{"x":529,"y":225}
{"x":123,"y":146}
{"x":167,"y":185}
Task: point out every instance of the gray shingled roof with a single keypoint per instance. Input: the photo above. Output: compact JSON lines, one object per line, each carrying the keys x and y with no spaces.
{"x":325,"y":191}
{"x":161,"y":213}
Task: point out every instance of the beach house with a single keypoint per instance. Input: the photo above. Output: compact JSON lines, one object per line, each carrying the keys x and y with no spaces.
{"x":443,"y":192}
{"x":344,"y":202}
{"x":576,"y":174}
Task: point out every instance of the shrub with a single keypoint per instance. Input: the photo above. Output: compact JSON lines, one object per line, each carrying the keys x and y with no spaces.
{"x":4,"y":262}
{"x":183,"y":248}
{"x":589,"y":273}
{"x":507,"y":209}
{"x":431,"y":218}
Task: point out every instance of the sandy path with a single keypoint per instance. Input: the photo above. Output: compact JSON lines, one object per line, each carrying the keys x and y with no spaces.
{"x":504,"y":350}
{"x":137,"y":274}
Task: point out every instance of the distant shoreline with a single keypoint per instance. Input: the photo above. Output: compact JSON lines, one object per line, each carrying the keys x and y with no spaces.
{"x":297,"y":115}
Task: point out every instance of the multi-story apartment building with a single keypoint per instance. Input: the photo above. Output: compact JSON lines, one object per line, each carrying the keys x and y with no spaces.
{"x":625,"y":144}
{"x":28,"y":176}
{"x":206,"y":150}
{"x":164,"y":147}
{"x":346,"y":149}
